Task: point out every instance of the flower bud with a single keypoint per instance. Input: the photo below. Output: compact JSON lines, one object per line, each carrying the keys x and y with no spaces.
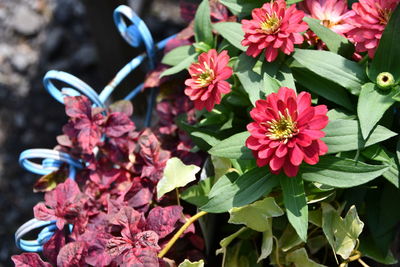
{"x":201,"y":47}
{"x":385,"y":80}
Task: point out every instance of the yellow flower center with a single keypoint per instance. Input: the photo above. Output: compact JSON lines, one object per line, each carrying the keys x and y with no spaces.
{"x":270,"y":24}
{"x":328,"y":23}
{"x":206,"y":77}
{"x":282,"y":129}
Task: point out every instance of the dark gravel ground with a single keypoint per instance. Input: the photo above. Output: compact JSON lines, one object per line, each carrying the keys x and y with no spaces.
{"x":37,"y":36}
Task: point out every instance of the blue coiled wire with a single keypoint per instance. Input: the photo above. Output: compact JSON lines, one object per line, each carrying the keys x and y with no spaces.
{"x":136,"y":34}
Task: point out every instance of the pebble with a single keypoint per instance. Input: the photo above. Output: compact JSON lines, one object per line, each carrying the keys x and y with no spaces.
{"x":26,"y":21}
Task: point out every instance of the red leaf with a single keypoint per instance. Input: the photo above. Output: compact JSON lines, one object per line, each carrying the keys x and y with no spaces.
{"x":41,"y":212}
{"x":52,"y":247}
{"x":65,"y":203}
{"x":147,"y":239}
{"x":140,"y":258}
{"x":72,"y":255}
{"x":29,"y":260}
{"x":141,"y":198}
{"x":96,"y":242}
{"x":78,"y":107}
{"x":89,"y":135}
{"x":116,"y":246}
{"x":118,"y":124}
{"x":163,"y":220}
{"x":130,"y":220}
{"x":104,"y":178}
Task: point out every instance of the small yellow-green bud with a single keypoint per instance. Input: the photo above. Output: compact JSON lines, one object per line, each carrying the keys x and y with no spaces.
{"x":385,"y":80}
{"x":201,"y":47}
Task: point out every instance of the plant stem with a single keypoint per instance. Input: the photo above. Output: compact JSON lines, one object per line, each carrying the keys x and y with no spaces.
{"x":180,"y":232}
{"x":277,"y":251}
{"x":177,"y":197}
{"x":363,"y":263}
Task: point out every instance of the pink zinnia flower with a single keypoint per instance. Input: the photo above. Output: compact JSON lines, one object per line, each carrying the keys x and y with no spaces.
{"x":370,"y":19}
{"x":207,"y":83}
{"x":273,"y":27}
{"x":286,"y":131}
{"x":332,"y":13}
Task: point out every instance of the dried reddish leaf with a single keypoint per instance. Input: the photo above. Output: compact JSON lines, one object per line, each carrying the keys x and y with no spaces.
{"x":153,"y":78}
{"x":123,"y":106}
{"x":50,"y":181}
{"x":29,"y":260}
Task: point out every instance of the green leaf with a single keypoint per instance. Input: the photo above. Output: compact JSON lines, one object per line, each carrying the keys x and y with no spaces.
{"x":342,"y":234}
{"x":315,"y":217}
{"x":280,"y":71}
{"x":379,"y":154}
{"x":232,"y":32}
{"x":177,"y":55}
{"x":333,"y":67}
{"x":241,"y":254}
{"x":381,"y":219}
{"x":209,"y":139}
{"x":291,"y":2}
{"x":295,"y":202}
{"x":372,"y":96}
{"x":267,"y":242}
{"x":227,"y":240}
{"x":387,"y":56}
{"x":335,"y":42}
{"x":300,"y":258}
{"x":233,"y":147}
{"x":371,"y":250}
{"x":345,"y":135}
{"x":241,"y":7}
{"x":221,"y":166}
{"x":202,"y":24}
{"x":255,"y":215}
{"x":188,"y":263}
{"x":176,"y":174}
{"x":197,"y":194}
{"x":289,"y":239}
{"x":323,"y":87}
{"x":316,"y":243}
{"x":341,"y":172}
{"x":339,"y":114}
{"x":229,"y":192}
{"x":179,"y":67}
{"x":252,"y":82}
{"x":271,"y":85}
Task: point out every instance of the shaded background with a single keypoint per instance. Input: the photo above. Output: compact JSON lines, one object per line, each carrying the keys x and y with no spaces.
{"x":76,"y":36}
